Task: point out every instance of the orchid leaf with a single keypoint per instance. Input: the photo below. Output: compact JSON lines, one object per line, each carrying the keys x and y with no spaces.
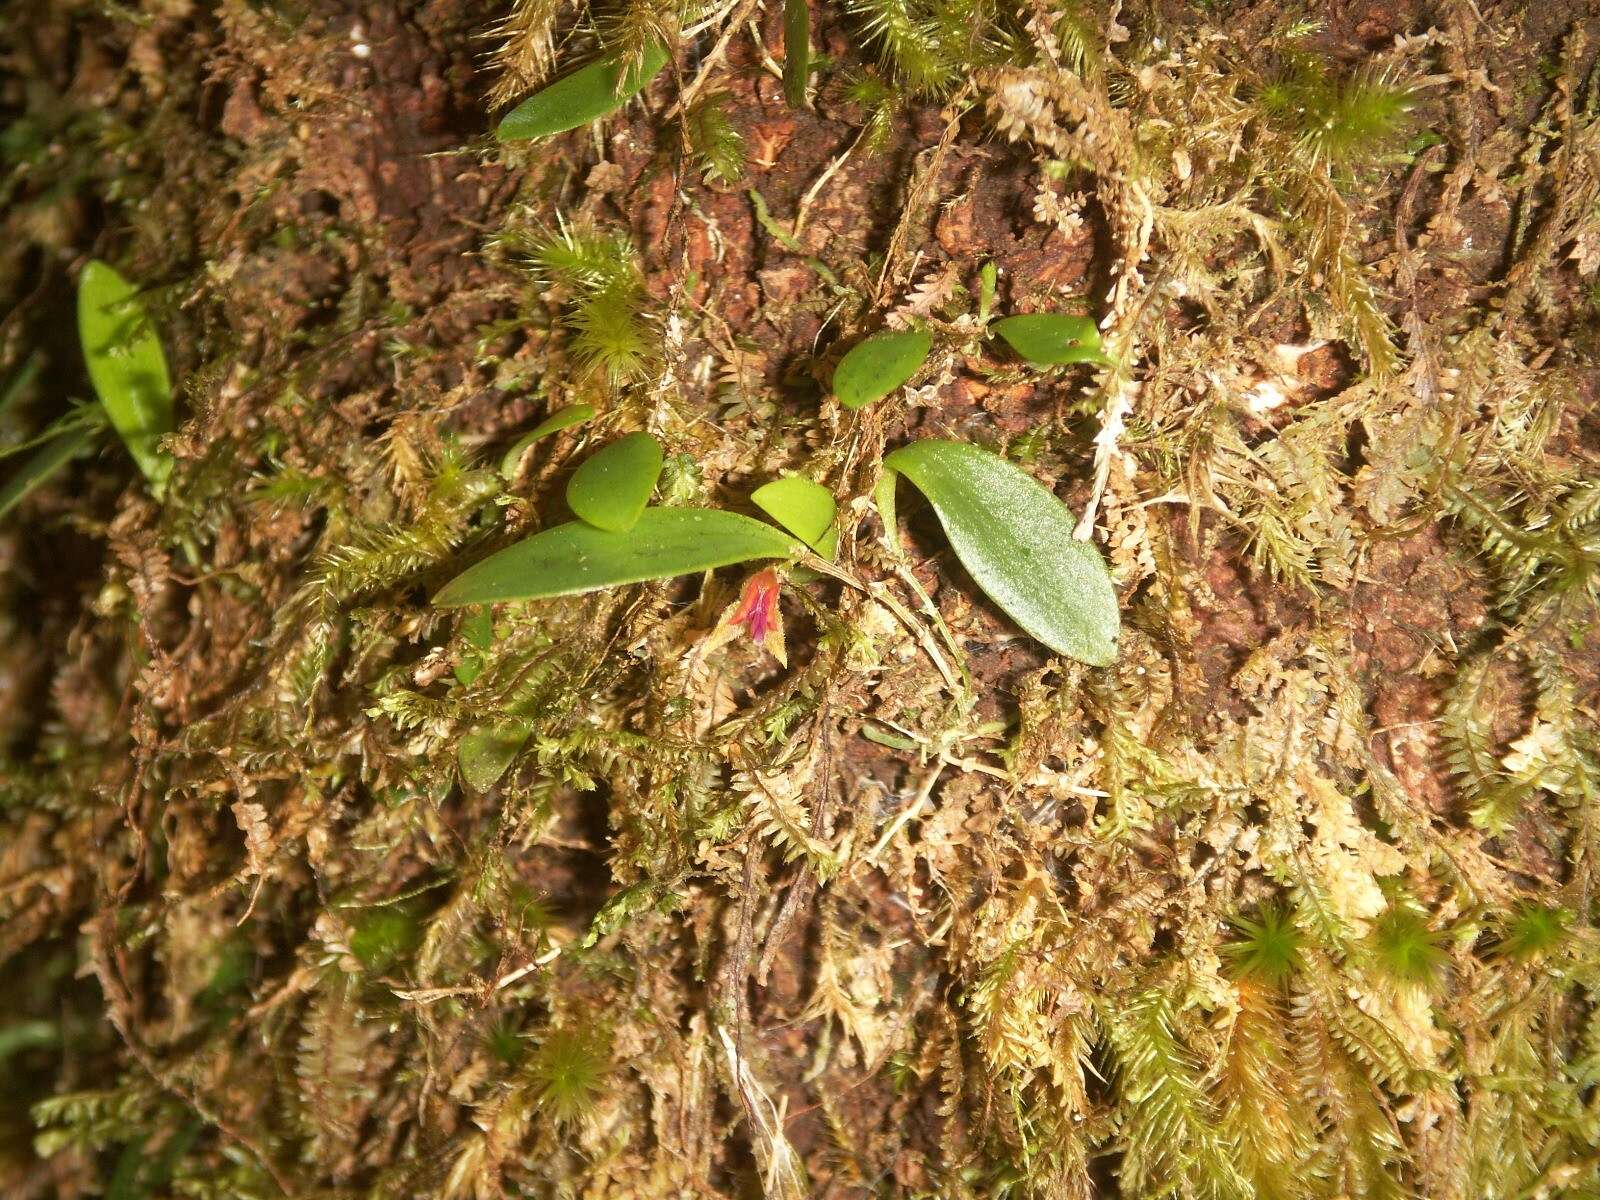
{"x":611,"y":487}
{"x":562,"y":418}
{"x":1016,"y":541}
{"x":127,"y":367}
{"x":1053,"y":339}
{"x":577,"y":557}
{"x":485,"y":754}
{"x":873,"y":369}
{"x":587,"y":94}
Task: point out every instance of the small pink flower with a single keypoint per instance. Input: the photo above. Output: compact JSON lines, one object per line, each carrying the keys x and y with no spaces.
{"x":758,"y":606}
{"x":755,"y":614}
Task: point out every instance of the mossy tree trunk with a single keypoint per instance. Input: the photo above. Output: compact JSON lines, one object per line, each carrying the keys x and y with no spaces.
{"x":311,"y":888}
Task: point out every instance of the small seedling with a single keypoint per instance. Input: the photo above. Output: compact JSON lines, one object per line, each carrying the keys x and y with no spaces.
{"x":1016,"y":541}
{"x":567,"y":1073}
{"x":127,"y":367}
{"x":1053,"y":339}
{"x":876,"y":367}
{"x":587,"y":94}
{"x":611,"y":488}
{"x":1338,"y":121}
{"x":1533,"y":931}
{"x":563,"y":418}
{"x":804,"y":508}
{"x":577,"y":557}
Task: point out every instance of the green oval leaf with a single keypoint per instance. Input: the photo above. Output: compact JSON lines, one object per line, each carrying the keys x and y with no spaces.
{"x":587,"y":94}
{"x":577,"y":557}
{"x":1053,"y":339}
{"x":485,"y":754}
{"x":478,"y":629}
{"x":562,"y":418}
{"x":1015,"y":540}
{"x":804,"y":508}
{"x":126,"y":366}
{"x":611,"y":487}
{"x":878,"y":365}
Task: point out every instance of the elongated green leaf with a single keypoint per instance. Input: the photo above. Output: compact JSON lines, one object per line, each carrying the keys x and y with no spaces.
{"x":1015,"y":539}
{"x":587,"y":94}
{"x":612,"y":486}
{"x":17,"y":386}
{"x":42,"y":465}
{"x":878,"y":365}
{"x":804,"y":508}
{"x":883,"y":498}
{"x":562,"y":418}
{"x":796,"y":50}
{"x":127,"y":367}
{"x":80,"y":417}
{"x":577,"y":557}
{"x":1053,"y":339}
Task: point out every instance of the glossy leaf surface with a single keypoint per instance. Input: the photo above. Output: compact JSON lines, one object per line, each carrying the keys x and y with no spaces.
{"x":587,"y":94}
{"x":804,"y":508}
{"x":577,"y":557}
{"x":1015,"y":540}
{"x":1053,"y":339}
{"x":873,"y":369}
{"x":126,"y":366}
{"x":611,"y":487}
{"x":563,"y":418}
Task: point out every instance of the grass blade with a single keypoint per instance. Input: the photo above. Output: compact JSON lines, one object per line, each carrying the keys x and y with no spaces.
{"x":796,"y":51}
